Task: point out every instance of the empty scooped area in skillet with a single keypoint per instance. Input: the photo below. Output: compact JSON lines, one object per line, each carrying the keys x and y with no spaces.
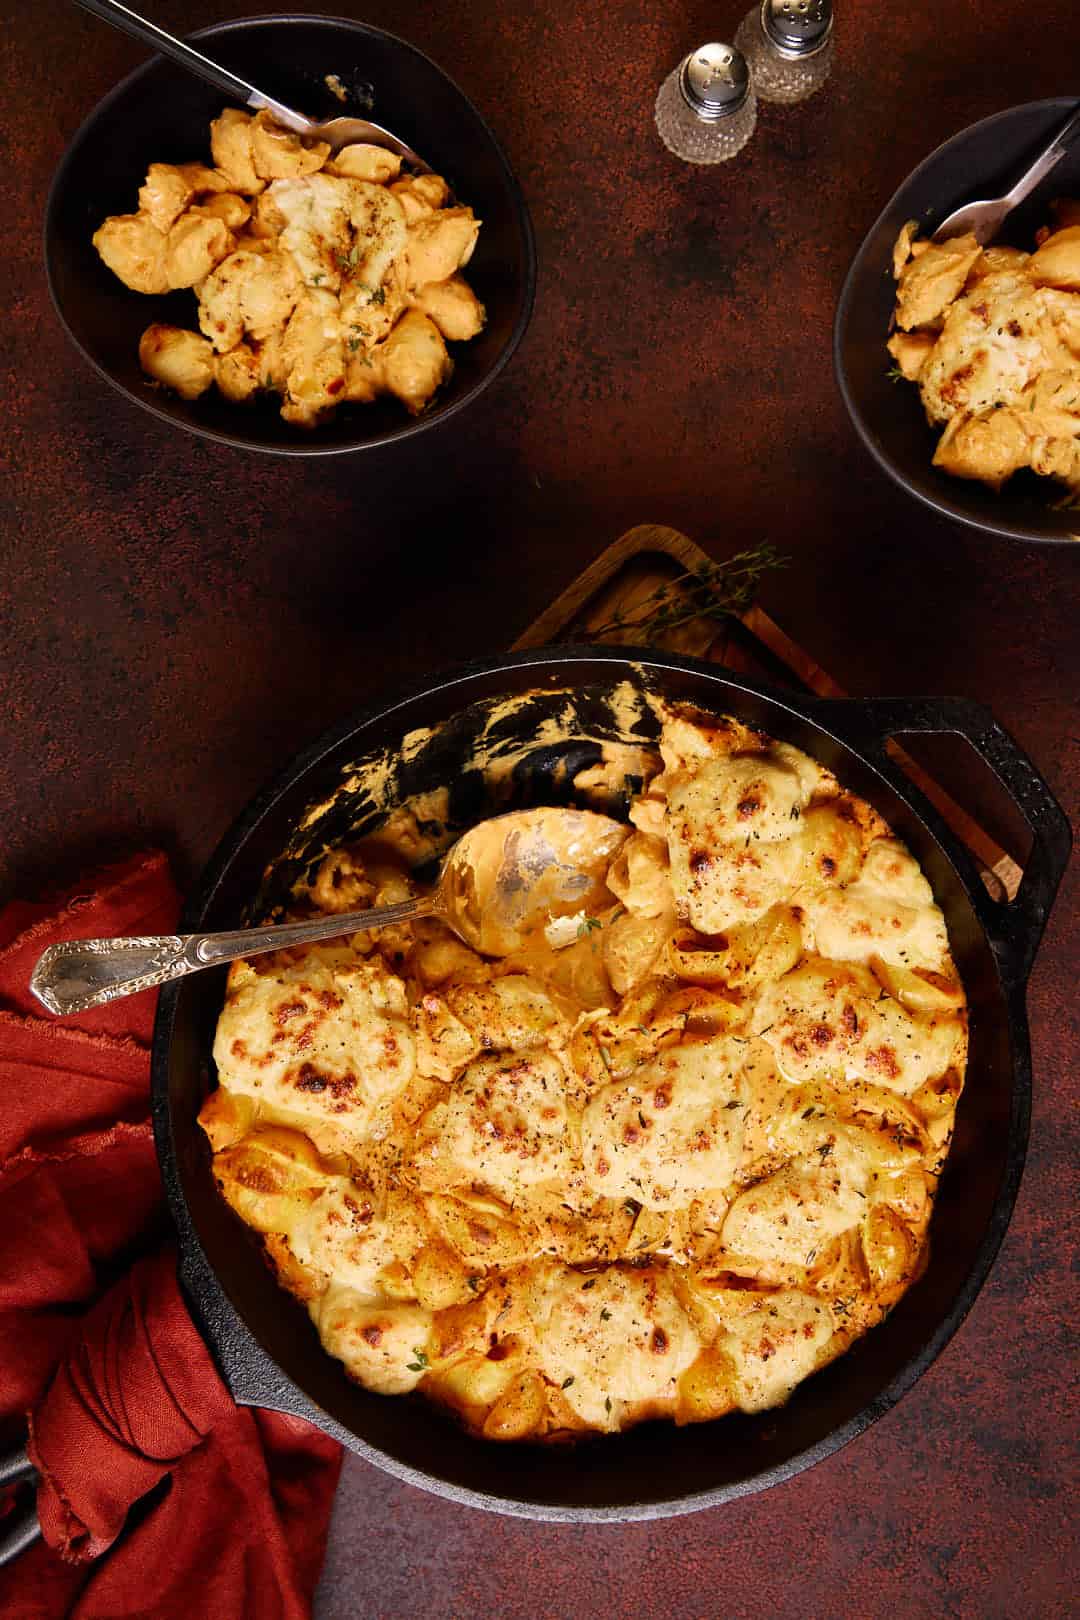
{"x":656,"y":1469}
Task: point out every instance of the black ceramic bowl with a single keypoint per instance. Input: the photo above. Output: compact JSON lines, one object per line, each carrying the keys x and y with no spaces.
{"x":982,"y":161}
{"x":263,"y":1340}
{"x":162,"y":113}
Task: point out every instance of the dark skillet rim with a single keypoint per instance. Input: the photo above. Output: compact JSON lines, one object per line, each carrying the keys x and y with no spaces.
{"x":208,"y":1297}
{"x":941,"y":504}
{"x":237,"y":441}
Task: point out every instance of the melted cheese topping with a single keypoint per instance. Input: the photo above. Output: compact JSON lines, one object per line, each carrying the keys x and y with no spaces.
{"x":504,"y":1125}
{"x":833,"y":1021}
{"x":623,"y":1331}
{"x":791,"y":1214}
{"x":664,"y":1161}
{"x":889,"y":910}
{"x":775,"y":1340}
{"x":729,"y":836}
{"x":324,"y":1035}
{"x":672,"y":1131}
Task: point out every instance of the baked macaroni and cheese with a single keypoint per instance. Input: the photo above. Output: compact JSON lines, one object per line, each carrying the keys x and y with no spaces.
{"x":991,"y":337}
{"x":323,"y":279}
{"x":667,"y":1159}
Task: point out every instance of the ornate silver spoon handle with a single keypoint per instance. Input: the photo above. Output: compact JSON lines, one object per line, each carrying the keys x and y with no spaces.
{"x":82,"y":973}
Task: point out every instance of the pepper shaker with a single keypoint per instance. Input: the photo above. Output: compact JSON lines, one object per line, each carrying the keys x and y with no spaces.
{"x":788,"y":45}
{"x":706,"y":110}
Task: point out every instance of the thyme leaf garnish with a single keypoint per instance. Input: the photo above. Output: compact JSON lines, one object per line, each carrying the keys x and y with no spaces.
{"x":716,"y":591}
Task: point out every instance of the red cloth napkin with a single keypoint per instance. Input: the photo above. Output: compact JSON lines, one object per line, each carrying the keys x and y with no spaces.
{"x":224,"y":1509}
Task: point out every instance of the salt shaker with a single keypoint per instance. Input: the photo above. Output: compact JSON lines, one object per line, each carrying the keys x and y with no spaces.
{"x":706,"y":111}
{"x":788,"y":45}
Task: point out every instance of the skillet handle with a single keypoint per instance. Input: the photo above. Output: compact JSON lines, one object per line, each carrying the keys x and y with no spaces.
{"x":1014,"y":927}
{"x":23,"y":1529}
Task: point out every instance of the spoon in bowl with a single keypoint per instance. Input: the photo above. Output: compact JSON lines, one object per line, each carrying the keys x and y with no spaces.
{"x":499,"y":885}
{"x":337,"y":132}
{"x":985,"y":219}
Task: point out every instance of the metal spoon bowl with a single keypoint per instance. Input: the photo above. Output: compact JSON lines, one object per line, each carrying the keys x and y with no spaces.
{"x":337,"y":132}
{"x":497,"y":885}
{"x":985,"y":219}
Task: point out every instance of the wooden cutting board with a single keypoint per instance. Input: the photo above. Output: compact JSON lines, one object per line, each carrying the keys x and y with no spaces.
{"x":618,"y":585}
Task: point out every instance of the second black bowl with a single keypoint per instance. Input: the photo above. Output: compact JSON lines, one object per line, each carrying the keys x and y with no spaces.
{"x":161,"y":113}
{"x":982,"y":161}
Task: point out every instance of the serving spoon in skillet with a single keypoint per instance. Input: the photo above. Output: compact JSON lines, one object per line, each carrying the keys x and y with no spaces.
{"x":338,"y":132}
{"x":501,"y":884}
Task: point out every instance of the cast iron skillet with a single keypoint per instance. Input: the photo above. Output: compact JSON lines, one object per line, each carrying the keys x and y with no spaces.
{"x":161,"y":113}
{"x":262,"y":1340}
{"x":982,"y":161}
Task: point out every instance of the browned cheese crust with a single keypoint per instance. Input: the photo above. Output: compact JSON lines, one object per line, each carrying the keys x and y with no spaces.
{"x":667,"y":1164}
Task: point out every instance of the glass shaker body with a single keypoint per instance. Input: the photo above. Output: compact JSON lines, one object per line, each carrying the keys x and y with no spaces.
{"x":778,"y":74}
{"x":706,"y":109}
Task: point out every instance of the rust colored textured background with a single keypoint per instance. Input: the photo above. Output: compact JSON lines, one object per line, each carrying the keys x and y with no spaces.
{"x":178,"y":619}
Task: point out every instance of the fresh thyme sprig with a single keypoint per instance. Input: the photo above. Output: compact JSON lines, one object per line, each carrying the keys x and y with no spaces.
{"x":716,"y":591}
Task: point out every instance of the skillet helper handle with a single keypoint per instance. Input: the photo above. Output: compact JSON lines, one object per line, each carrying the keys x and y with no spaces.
{"x":23,"y":1529}
{"x":1014,"y":927}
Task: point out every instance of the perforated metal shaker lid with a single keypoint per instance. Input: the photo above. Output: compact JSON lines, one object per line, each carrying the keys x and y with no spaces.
{"x":797,"y":27}
{"x":715,"y":81}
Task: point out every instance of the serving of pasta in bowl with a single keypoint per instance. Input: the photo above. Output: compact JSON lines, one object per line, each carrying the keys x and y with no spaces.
{"x":959,"y":364}
{"x":258,"y":289}
{"x":660,"y":1209}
